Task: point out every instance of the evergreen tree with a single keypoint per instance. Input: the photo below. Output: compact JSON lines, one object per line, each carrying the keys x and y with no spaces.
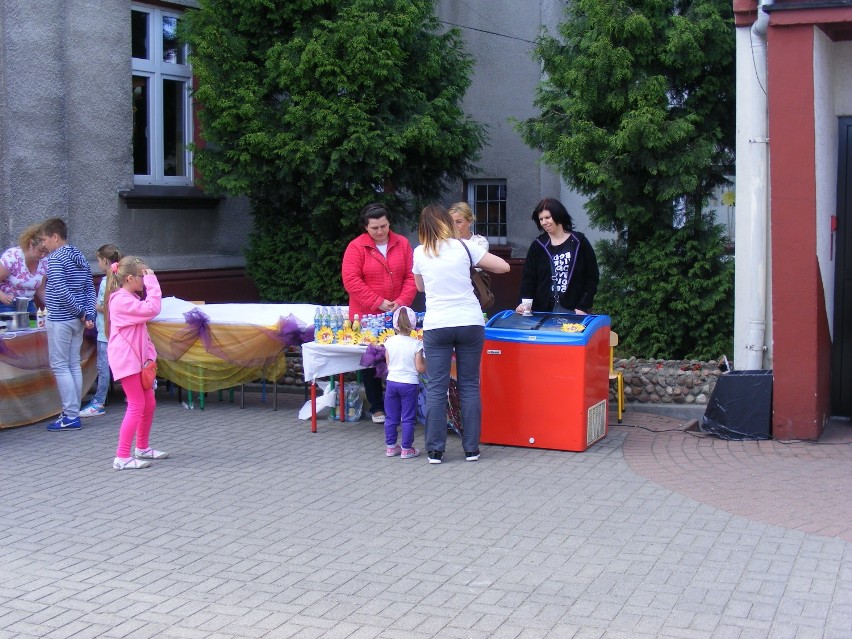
{"x":313,"y":108}
{"x":637,"y":113}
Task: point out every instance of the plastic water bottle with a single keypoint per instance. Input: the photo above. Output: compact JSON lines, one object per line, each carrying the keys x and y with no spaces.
{"x":339,"y":319}
{"x":317,"y":321}
{"x":326,"y":318}
{"x":354,"y":405}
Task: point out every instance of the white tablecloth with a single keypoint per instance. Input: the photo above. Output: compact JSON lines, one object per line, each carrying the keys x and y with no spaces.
{"x":324,"y":360}
{"x":173,"y":308}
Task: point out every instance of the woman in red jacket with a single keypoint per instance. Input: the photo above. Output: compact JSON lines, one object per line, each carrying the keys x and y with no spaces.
{"x":377,"y":275}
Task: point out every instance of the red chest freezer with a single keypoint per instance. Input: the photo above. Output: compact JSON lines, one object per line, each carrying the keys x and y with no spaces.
{"x":544,"y":386}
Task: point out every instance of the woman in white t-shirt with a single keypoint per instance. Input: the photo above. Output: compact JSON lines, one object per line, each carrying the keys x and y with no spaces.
{"x":453,"y":324}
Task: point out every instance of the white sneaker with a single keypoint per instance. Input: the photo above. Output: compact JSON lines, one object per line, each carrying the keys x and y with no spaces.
{"x":129,"y":464}
{"x":92,"y":410}
{"x":150,"y":453}
{"x":379,"y":419}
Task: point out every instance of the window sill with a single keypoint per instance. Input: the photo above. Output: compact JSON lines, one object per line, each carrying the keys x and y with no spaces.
{"x":143,"y":196}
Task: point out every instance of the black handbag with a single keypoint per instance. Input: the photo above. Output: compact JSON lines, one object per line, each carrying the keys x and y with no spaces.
{"x":481,"y":283}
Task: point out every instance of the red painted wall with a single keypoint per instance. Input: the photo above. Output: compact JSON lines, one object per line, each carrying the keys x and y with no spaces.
{"x":801,"y":346}
{"x":232,"y":285}
{"x":216,"y":286}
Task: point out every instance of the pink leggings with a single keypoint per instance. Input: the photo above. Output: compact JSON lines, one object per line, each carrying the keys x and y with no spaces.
{"x":139,"y":416}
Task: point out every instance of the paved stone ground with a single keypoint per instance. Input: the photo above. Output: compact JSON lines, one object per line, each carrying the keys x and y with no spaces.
{"x":256,"y":527}
{"x":802,"y":485}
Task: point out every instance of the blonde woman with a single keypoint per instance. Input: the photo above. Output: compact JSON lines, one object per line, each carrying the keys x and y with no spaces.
{"x":463,"y":219}
{"x":453,"y":324}
{"x":23,"y":271}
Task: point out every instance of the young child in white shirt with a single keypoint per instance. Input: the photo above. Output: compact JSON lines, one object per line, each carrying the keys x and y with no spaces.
{"x":404,"y":355}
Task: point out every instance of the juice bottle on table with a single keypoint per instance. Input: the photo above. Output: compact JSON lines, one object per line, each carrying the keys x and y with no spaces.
{"x":356,"y":323}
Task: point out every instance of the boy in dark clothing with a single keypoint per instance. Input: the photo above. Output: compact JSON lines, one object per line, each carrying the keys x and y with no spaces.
{"x":70,"y":301}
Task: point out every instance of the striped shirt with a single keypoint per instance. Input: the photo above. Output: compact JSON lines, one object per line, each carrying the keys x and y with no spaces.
{"x":70,"y":291}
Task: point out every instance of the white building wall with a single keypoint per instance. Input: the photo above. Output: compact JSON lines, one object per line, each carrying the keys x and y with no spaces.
{"x":503,"y":88}
{"x":65,"y":140}
{"x":825,"y":164}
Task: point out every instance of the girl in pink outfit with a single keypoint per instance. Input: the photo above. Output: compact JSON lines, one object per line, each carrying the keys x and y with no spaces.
{"x":129,"y":345}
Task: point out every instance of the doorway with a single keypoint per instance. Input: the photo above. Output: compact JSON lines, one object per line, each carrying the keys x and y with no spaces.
{"x":841,"y":350}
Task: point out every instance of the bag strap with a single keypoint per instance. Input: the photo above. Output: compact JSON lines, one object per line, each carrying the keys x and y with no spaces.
{"x":467,"y":250}
{"x":141,"y":361}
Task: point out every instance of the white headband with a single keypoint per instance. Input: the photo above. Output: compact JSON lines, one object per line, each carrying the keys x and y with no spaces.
{"x":412,"y":318}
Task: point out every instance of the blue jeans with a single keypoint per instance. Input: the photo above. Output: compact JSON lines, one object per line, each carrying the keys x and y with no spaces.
{"x":64,"y":340}
{"x":103,"y":375}
{"x":438,"y":347}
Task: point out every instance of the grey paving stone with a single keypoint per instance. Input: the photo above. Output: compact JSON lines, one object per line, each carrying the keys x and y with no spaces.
{"x":296,"y":534}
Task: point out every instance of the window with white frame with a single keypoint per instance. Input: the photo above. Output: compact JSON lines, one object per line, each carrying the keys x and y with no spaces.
{"x":162,"y":109}
{"x":487,"y":199}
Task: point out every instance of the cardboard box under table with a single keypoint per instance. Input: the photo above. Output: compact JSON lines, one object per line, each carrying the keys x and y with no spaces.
{"x":544,"y":386}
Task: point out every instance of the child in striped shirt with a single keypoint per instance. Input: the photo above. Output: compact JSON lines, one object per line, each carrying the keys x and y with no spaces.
{"x":70,"y":301}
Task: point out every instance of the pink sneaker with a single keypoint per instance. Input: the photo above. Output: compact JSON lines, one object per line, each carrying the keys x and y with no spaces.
{"x":393,"y":451}
{"x":408,"y":453}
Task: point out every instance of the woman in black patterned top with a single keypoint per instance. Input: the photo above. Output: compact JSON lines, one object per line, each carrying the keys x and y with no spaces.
{"x":561,"y":271}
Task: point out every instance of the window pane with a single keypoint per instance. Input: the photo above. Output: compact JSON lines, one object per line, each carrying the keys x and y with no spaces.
{"x":488,"y":201}
{"x":174,"y":128}
{"x":141,"y":123}
{"x":139,"y":34}
{"x":172,"y":50}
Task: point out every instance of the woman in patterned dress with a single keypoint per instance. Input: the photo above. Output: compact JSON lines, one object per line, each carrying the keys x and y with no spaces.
{"x":23,"y":271}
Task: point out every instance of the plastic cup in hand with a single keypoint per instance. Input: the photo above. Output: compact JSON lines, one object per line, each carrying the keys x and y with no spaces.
{"x":527,"y":304}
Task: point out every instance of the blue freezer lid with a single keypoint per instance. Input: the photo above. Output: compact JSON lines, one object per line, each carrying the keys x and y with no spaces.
{"x":544,"y":328}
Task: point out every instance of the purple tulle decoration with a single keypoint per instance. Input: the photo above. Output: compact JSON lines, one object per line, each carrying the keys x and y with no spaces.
{"x":198,"y":327}
{"x":307,"y":334}
{"x":294,"y":332}
{"x":199,"y":322}
{"x":290,"y":332}
{"x":374,"y":357}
